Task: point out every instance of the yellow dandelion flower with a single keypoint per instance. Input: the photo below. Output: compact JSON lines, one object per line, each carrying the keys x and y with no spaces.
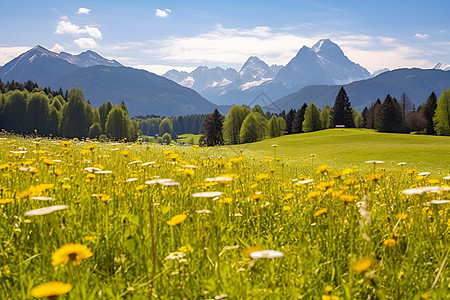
{"x":330,"y":297}
{"x":70,"y":252}
{"x":195,"y":147}
{"x":177,"y":219}
{"x":433,"y":181}
{"x":411,"y":171}
{"x":322,"y":169}
{"x":288,"y":196}
{"x":402,"y":216}
{"x":235,"y":160}
{"x":51,"y":289}
{"x":66,"y":187}
{"x":66,"y":143}
{"x":85,"y":151}
{"x":390,"y":242}
{"x":189,"y":173}
{"x":173,"y":156}
{"x":321,"y":212}
{"x":313,"y":194}
{"x":125,"y":153}
{"x":6,"y":200}
{"x":48,"y":161}
{"x":328,"y":289}
{"x":347,"y":171}
{"x":58,"y":172}
{"x":347,"y":198}
{"x":227,"y":200}
{"x":261,"y":176}
{"x":286,"y":208}
{"x":141,"y":187}
{"x":374,"y":177}
{"x":361,"y":265}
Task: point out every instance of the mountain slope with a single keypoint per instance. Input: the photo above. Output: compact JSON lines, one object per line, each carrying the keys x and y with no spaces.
{"x":416,"y":83}
{"x":442,"y":66}
{"x":39,"y":65}
{"x":143,"y":92}
{"x":324,"y":63}
{"x":88,"y":59}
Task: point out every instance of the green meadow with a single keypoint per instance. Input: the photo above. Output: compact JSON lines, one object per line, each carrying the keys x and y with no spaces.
{"x":88,"y":220}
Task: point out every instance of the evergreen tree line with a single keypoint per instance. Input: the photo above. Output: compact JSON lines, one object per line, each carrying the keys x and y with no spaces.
{"x":391,"y":115}
{"x":243,"y":124}
{"x":31,"y":87}
{"x":150,"y":125}
{"x":25,"y":112}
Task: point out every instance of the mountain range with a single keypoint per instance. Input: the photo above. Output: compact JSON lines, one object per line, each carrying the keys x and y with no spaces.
{"x":102,"y":80}
{"x":314,"y":74}
{"x":323,"y":63}
{"x":416,"y":83}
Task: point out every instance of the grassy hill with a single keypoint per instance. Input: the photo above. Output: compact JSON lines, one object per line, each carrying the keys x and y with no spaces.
{"x":352,"y":147}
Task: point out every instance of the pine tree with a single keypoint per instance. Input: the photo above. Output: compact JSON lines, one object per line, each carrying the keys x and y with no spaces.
{"x":213,"y":129}
{"x":371,"y":115}
{"x":390,"y":116}
{"x":428,"y":110}
{"x":441,"y":117}
{"x":341,"y":113}
{"x":289,"y":120}
{"x":298,"y":119}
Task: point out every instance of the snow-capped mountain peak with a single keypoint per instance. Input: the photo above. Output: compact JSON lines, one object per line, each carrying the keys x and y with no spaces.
{"x":442,"y":66}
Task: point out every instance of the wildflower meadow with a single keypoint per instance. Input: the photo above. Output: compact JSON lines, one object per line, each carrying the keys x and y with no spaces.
{"x":89,"y":220}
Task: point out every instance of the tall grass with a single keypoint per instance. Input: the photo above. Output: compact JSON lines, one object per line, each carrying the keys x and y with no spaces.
{"x":323,"y":228}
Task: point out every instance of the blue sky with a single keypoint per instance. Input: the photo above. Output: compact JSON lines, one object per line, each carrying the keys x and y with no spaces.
{"x":160,"y":35}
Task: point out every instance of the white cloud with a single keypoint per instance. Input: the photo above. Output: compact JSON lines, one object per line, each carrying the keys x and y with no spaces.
{"x":162,"y":13}
{"x":232,"y":46}
{"x":69,"y":28}
{"x":83,"y":10}
{"x":161,"y":69}
{"x":86,"y":43}
{"x":9,"y":53}
{"x":57,"y":48}
{"x":421,"y":36}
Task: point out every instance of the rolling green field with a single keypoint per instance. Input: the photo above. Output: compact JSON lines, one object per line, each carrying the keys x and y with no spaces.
{"x":187,"y":137}
{"x":88,"y":220}
{"x":355,"y":146}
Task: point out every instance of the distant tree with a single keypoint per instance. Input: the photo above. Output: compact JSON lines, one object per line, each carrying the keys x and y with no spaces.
{"x":74,"y":122}
{"x":263,"y":122}
{"x":165,"y":127}
{"x":166,"y":138}
{"x":312,"y":119}
{"x":95,"y":130}
{"x":38,"y":113}
{"x":406,"y":106}
{"x":103,"y":111}
{"x":390,"y":116}
{"x":428,"y":109}
{"x":15,"y":112}
{"x":277,"y":126}
{"x":298,"y":119}
{"x":250,"y":130}
{"x":233,"y":123}
{"x":289,"y":120}
{"x":325,"y":117}
{"x":341,"y":113}
{"x":415,"y":121}
{"x":357,"y":119}
{"x":213,"y":129}
{"x":115,"y":124}
{"x":441,"y":117}
{"x":371,"y":115}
